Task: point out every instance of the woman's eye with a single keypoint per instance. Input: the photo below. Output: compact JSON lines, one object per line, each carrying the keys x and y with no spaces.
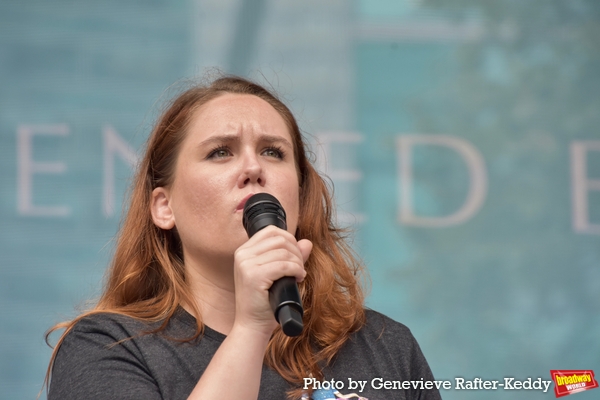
{"x":273,"y":152}
{"x":222,"y":153}
{"x":219,"y":153}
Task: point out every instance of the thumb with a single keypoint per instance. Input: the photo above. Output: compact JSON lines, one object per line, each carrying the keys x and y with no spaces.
{"x":305,"y":247}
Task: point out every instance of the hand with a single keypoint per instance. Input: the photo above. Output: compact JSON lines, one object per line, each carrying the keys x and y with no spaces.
{"x":270,"y":254}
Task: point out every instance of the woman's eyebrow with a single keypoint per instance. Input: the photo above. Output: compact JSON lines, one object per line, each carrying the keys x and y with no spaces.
{"x":220,"y":139}
{"x":236,"y":138}
{"x":276,"y":139}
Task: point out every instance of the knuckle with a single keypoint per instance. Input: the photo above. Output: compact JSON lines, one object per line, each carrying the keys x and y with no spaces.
{"x":239,"y":252}
{"x":280,"y":240}
{"x":292,"y":267}
{"x":283,"y":254}
{"x":270,"y":230}
{"x":244,"y":265}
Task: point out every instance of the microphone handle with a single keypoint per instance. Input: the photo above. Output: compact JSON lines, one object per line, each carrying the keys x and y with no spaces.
{"x":286,"y":305}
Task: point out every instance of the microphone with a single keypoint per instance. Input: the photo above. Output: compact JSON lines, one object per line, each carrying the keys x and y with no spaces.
{"x":260,"y":211}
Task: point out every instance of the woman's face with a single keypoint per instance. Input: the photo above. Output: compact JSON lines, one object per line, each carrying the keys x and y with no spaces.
{"x":236,"y":145}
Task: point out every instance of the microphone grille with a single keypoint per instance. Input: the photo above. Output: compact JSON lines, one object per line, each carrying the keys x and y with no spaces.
{"x":259,"y":206}
{"x":264,"y":207}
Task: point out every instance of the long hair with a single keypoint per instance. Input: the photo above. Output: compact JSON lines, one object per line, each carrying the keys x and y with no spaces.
{"x":146,"y":277}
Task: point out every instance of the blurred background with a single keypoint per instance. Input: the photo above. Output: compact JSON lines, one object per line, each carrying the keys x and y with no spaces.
{"x":462,"y":137}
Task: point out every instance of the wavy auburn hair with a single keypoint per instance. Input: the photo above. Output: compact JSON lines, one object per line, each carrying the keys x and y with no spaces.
{"x":146,"y":278}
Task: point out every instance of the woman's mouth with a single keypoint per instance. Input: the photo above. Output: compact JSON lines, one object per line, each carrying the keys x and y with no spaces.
{"x":240,"y":206}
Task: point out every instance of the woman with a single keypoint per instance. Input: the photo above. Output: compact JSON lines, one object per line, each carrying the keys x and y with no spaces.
{"x":185,"y":310}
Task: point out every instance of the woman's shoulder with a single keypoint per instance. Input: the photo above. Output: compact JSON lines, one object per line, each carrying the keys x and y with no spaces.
{"x":102,"y":351}
{"x":381,"y":326}
{"x":108,"y":323}
{"x":388,"y":344}
{"x":120,"y":326}
{"x":384,"y":334}
{"x":383,"y":349}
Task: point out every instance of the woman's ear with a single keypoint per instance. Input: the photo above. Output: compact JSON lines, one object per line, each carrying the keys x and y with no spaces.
{"x":160,"y":207}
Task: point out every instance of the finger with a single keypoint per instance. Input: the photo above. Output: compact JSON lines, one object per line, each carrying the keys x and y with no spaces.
{"x":250,"y":261}
{"x":268,"y":271}
{"x":277,"y":254}
{"x":305,"y":247}
{"x":271,"y":241}
{"x":270,"y":231}
{"x":275,"y":270}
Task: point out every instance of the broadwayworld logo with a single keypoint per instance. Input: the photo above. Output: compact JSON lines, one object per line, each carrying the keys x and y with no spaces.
{"x":572,"y":381}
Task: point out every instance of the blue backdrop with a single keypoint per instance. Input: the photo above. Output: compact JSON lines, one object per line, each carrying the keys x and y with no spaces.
{"x":462,"y":137}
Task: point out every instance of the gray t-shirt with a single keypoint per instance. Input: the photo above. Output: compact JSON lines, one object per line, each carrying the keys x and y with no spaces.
{"x":90,"y":364}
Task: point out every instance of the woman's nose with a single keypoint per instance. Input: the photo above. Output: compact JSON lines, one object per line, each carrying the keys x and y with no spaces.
{"x":251,"y":171}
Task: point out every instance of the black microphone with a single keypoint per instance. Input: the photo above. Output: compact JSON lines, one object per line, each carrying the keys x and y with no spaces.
{"x":260,"y":211}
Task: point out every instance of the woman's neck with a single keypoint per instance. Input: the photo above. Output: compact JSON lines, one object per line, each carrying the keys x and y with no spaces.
{"x":214,"y":292}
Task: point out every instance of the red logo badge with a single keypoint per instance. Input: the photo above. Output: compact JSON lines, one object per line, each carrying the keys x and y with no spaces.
{"x":571,"y":381}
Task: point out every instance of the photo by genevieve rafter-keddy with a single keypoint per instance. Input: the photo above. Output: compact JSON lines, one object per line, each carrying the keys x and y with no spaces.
{"x":358,"y":386}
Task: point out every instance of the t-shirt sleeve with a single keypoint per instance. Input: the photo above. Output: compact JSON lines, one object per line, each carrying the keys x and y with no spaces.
{"x":420,"y":370}
{"x":408,"y":359}
{"x":92,"y":364}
